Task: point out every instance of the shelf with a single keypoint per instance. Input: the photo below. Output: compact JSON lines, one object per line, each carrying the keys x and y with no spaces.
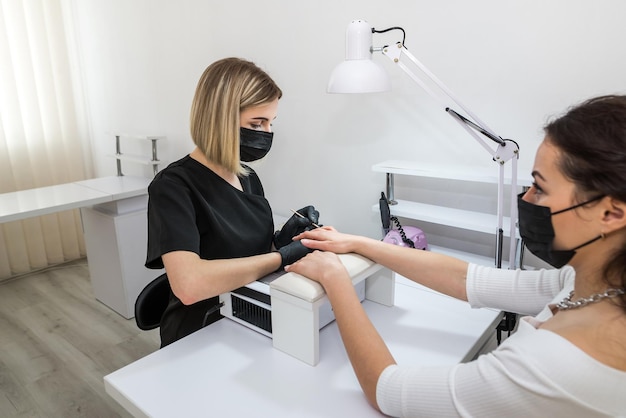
{"x":468,"y":220}
{"x":137,"y":159}
{"x":456,"y":172}
{"x":443,"y":215}
{"x":140,"y":137}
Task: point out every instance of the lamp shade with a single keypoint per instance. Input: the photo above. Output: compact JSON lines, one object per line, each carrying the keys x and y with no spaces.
{"x":358,"y":73}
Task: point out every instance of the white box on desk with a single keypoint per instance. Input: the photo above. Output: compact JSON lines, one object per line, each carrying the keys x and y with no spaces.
{"x":251,"y":305}
{"x":297,"y":305}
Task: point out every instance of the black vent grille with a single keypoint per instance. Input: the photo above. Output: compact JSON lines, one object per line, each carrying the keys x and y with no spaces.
{"x":251,"y":313}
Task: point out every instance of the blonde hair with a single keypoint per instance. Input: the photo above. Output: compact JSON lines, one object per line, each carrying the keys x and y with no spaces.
{"x":227,"y":87}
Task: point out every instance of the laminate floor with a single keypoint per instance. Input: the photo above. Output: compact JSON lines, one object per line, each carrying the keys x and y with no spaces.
{"x":57,"y":342}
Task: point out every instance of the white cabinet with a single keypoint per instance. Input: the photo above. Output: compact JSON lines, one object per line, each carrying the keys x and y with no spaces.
{"x":465,"y":219}
{"x":116,"y":232}
{"x":116,"y":240}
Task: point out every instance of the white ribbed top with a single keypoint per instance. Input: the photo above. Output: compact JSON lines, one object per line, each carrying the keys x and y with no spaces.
{"x":534,"y":372}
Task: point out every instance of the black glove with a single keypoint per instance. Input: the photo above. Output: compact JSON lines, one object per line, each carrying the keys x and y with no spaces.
{"x":293,"y":252}
{"x":296,"y":225}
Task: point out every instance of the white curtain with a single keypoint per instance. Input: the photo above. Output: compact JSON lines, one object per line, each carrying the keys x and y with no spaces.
{"x":43,"y":129}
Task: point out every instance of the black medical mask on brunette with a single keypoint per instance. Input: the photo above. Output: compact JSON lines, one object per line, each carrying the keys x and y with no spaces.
{"x":254,"y":145}
{"x":535,"y":228}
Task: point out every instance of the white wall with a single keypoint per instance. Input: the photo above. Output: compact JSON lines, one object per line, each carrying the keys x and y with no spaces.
{"x":514,"y":63}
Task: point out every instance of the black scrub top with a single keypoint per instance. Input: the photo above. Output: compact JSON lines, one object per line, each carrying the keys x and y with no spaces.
{"x":191,"y":208}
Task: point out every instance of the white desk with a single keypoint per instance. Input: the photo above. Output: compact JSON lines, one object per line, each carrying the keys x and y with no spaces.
{"x":45,"y":200}
{"x":113,"y":211}
{"x":229,"y":370}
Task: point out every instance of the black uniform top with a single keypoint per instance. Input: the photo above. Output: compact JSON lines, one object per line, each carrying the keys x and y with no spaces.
{"x":193,"y":209}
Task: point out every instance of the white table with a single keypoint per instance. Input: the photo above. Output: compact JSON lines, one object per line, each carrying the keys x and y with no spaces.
{"x":45,"y":200}
{"x":229,"y":370}
{"x":113,"y":211}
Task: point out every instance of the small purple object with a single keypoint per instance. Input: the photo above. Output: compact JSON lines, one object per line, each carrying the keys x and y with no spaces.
{"x":413,"y":233}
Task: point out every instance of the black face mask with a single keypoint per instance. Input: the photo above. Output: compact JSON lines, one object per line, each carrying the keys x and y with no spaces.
{"x":535,"y":228}
{"x":254,"y":145}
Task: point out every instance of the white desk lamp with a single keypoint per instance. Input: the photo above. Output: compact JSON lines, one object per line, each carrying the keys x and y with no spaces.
{"x":360,"y":74}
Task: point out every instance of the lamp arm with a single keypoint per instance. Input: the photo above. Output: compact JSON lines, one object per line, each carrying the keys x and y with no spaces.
{"x":501,"y":153}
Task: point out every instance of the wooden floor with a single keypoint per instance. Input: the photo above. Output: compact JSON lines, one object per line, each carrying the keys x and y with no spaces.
{"x":57,"y":342}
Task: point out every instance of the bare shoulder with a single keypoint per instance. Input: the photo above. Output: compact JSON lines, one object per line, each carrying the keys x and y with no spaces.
{"x":600,"y":331}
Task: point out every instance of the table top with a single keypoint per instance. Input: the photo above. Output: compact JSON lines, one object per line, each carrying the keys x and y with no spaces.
{"x":45,"y":200}
{"x":227,"y":369}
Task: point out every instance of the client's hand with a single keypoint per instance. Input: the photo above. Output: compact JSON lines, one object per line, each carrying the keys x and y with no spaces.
{"x":322,"y":267}
{"x":327,"y":238}
{"x":295,"y":225}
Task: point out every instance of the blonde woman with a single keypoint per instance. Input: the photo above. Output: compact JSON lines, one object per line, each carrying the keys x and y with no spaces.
{"x":209,"y":223}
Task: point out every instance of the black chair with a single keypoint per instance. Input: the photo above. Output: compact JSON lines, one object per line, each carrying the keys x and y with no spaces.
{"x":151,"y":303}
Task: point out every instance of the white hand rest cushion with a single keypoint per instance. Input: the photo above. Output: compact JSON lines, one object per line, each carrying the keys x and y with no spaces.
{"x":309,"y":290}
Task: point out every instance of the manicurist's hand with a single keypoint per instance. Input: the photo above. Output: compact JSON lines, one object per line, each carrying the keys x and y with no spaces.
{"x":295,"y":225}
{"x":292,"y":252}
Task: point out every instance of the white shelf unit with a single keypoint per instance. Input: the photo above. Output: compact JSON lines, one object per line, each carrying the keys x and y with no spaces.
{"x":137,"y":159}
{"x":442,"y":215}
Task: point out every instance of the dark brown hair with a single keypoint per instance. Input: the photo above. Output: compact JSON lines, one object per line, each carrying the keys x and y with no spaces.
{"x":592,"y":139}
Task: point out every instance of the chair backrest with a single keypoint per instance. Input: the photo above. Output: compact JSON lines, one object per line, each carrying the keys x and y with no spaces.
{"x":151,"y":303}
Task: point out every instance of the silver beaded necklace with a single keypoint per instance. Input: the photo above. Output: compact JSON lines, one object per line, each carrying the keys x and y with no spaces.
{"x":567,"y":303}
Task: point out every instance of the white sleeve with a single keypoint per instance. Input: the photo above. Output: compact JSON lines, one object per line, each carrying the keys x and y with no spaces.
{"x":415,"y":391}
{"x":522,"y":291}
{"x":530,"y":374}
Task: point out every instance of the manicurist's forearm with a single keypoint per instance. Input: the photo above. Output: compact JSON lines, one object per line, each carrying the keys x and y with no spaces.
{"x":194,"y":279}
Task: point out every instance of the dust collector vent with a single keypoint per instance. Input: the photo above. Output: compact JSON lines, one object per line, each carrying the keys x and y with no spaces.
{"x":251,"y":313}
